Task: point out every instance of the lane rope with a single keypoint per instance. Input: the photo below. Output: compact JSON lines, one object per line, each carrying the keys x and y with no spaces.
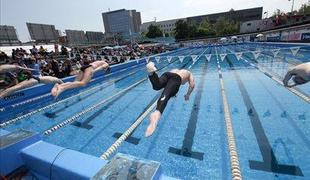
{"x":62,"y":101}
{"x":78,"y":115}
{"x":234,"y":160}
{"x":132,"y":128}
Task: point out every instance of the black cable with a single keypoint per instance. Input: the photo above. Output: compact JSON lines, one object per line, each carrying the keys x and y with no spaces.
{"x":55,"y":160}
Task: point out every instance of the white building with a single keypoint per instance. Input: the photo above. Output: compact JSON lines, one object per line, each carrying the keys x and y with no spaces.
{"x":167,"y":27}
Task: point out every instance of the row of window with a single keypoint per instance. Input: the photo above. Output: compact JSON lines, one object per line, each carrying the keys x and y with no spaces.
{"x":166,"y":25}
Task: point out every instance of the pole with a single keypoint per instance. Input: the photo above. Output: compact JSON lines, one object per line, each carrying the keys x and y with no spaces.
{"x":293,"y":1}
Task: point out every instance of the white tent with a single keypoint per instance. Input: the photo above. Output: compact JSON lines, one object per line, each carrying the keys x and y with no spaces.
{"x":234,"y":37}
{"x":223,"y":39}
{"x":259,"y":35}
{"x":107,"y":47}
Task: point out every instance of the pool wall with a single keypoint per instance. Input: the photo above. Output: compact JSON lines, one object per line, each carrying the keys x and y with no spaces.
{"x":23,"y":148}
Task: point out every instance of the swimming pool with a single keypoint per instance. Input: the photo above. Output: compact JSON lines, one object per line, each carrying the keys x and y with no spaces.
{"x":270,"y":123}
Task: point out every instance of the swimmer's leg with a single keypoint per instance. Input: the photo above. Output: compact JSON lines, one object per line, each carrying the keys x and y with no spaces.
{"x":169,"y":91}
{"x":25,"y":84}
{"x":158,"y":83}
{"x":58,"y":89}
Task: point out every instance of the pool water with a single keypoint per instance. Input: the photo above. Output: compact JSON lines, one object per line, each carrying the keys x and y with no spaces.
{"x":270,"y":124}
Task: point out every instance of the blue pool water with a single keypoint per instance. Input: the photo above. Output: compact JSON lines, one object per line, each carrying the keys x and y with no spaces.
{"x":270,"y":124}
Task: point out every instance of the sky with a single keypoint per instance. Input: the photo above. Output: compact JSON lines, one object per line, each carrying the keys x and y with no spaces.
{"x":86,"y":14}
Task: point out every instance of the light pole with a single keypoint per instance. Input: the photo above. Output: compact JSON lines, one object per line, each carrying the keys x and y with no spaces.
{"x":293,"y":1}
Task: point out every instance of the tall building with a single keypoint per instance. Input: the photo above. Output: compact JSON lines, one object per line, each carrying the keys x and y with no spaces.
{"x":167,"y":27}
{"x":42,"y":32}
{"x":125,"y":22}
{"x":235,"y":15}
{"x":8,"y":35}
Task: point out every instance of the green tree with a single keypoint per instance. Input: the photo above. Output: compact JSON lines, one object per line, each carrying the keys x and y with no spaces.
{"x":226,"y":27}
{"x":304,"y":9}
{"x":181,"y":30}
{"x":154,"y":31}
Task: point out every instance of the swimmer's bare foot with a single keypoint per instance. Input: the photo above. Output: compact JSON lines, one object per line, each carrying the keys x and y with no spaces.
{"x":55,"y":89}
{"x":154,"y":118}
{"x":151,"y":68}
{"x":59,"y":91}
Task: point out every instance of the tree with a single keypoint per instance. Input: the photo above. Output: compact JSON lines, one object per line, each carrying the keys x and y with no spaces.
{"x":304,"y":9}
{"x":181,"y":30}
{"x":226,"y":27}
{"x":166,"y":34}
{"x":154,"y":31}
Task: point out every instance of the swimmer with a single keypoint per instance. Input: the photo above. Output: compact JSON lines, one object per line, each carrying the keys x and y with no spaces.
{"x":300,"y":75}
{"x":29,"y":82}
{"x":10,"y":67}
{"x":171,"y":82}
{"x":83,"y":78}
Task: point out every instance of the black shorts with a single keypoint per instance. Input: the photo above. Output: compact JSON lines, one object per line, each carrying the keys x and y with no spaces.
{"x":171,"y":83}
{"x":83,"y":68}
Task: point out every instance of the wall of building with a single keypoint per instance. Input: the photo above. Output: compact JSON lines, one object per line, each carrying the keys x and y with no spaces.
{"x":76,"y":37}
{"x":42,"y":32}
{"x":165,"y":26}
{"x":235,"y":15}
{"x":94,"y":37}
{"x":122,"y":21}
{"x":8,"y":35}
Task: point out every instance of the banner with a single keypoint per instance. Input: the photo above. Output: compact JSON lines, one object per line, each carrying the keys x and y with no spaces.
{"x":256,"y":54}
{"x":208,"y":57}
{"x":157,"y":58}
{"x":194,"y":57}
{"x":169,"y":58}
{"x":275,"y":52}
{"x":238,"y":55}
{"x":110,"y":58}
{"x":147,"y":59}
{"x":223,"y":56}
{"x":295,"y":50}
{"x":127,"y":58}
{"x":181,"y":58}
{"x":118,"y":58}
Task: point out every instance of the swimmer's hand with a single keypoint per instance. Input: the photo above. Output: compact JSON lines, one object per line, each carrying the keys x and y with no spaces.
{"x":186,"y":97}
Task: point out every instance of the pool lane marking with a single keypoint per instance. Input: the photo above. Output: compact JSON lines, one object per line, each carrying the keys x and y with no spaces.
{"x":294,"y":90}
{"x":189,"y":135}
{"x":234,"y":160}
{"x":76,"y":116}
{"x":61,"y":101}
{"x":133,"y":127}
{"x":270,"y":163}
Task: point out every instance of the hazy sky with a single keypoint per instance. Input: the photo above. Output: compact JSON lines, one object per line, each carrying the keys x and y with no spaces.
{"x":86,"y":14}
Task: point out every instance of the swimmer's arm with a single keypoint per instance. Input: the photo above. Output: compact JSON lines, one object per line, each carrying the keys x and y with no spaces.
{"x":103,"y":67}
{"x":287,"y":77}
{"x":191,"y":86}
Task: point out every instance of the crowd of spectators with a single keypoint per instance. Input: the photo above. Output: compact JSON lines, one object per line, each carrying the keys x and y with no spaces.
{"x":65,"y":62}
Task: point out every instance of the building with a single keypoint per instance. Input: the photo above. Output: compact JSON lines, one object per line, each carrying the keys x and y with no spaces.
{"x":8,"y":35}
{"x":94,"y":37}
{"x":256,"y":25}
{"x":125,"y":22}
{"x":234,"y":15}
{"x":167,"y":27}
{"x":76,"y":37}
{"x":238,"y":15}
{"x":43,"y":32}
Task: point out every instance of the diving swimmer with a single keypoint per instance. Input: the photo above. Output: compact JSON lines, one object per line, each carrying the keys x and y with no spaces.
{"x":171,"y":82}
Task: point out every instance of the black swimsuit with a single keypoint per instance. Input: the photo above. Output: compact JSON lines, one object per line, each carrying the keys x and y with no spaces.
{"x":83,"y":68}
{"x":171,"y":83}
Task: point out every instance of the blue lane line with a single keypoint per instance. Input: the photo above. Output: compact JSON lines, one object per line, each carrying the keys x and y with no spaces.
{"x":270,"y":163}
{"x":187,"y":145}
